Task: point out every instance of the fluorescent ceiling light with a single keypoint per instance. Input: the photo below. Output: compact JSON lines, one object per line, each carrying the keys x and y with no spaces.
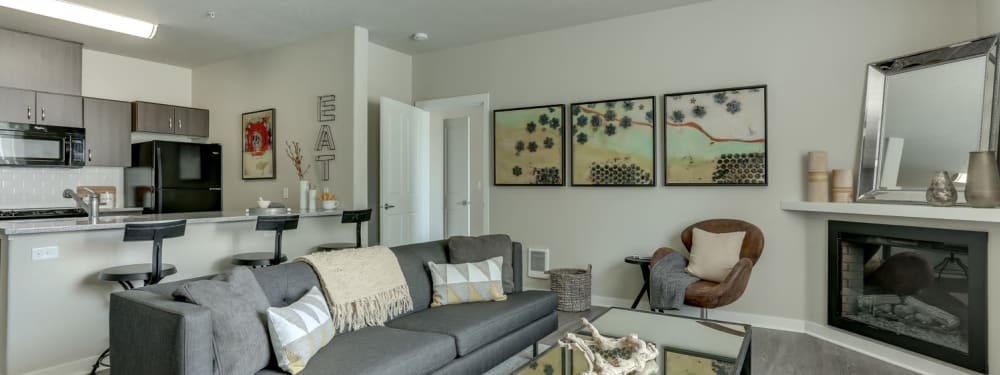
{"x":84,"y":15}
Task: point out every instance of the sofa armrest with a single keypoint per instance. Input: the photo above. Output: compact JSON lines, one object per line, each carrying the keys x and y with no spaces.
{"x":154,"y":335}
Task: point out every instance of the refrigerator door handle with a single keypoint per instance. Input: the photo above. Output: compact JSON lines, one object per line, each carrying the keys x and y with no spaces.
{"x":158,"y":172}
{"x":215,"y":189}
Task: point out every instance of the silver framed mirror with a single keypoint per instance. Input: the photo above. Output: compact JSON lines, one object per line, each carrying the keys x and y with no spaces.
{"x":924,"y":113}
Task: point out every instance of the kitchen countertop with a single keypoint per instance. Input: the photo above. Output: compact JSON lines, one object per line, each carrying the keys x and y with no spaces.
{"x":15,"y":227}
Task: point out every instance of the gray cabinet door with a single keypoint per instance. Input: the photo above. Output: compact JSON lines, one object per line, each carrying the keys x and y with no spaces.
{"x":39,"y":63}
{"x":59,"y":110}
{"x":17,"y":105}
{"x":109,"y":132}
{"x":192,"y":121}
{"x":153,"y":118}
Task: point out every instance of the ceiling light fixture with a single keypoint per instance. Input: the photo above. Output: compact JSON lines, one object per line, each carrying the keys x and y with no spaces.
{"x":420,"y":37}
{"x":84,"y":15}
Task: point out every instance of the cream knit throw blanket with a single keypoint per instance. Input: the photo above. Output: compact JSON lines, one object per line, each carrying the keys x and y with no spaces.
{"x":364,"y":287}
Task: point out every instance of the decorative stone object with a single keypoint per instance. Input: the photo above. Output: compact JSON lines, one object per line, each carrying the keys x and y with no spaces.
{"x":819,"y":178}
{"x":942,"y":192}
{"x":982,"y":186}
{"x":843,"y":185}
{"x":611,"y":356}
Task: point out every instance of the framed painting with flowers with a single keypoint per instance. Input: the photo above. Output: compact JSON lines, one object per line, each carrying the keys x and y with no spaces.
{"x":258,"y":145}
{"x":528,"y":146}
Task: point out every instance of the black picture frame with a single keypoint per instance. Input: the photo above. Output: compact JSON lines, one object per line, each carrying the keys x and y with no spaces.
{"x":271,"y":134}
{"x":652,"y":140}
{"x":666,"y":137}
{"x":561,"y":131}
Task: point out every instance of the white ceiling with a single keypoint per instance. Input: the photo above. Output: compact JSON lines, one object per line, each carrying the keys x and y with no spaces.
{"x":188,"y":37}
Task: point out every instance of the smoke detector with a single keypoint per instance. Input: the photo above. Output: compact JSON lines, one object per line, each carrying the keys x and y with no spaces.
{"x":420,"y":37}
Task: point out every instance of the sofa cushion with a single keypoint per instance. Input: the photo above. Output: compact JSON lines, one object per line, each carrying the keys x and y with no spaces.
{"x":237,"y":305}
{"x":299,"y":330}
{"x":380,"y":350}
{"x":476,"y":324}
{"x":462,"y":249}
{"x":413,"y":261}
{"x":283,"y":284}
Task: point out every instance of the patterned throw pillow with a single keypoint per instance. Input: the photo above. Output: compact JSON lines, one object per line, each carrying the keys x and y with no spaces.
{"x":300,"y":330}
{"x":467,"y":282}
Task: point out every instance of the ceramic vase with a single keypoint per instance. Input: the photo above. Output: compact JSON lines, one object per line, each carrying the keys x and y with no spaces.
{"x":982,"y":186}
{"x":941,"y":192}
{"x":818,"y":186}
{"x":312,"y":200}
{"x":843,"y":185}
{"x":303,"y":195}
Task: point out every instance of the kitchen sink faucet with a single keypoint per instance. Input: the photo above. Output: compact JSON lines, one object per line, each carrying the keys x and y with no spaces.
{"x":91,"y":205}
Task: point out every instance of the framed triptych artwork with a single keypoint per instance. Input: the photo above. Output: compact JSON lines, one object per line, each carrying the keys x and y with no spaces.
{"x":614,"y":142}
{"x":528,"y":146}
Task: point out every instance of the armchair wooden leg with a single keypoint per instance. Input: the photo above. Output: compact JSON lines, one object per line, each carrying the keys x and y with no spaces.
{"x":704,"y":313}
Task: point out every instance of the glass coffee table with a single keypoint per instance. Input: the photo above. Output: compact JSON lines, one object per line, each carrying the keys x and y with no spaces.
{"x":687,"y":346}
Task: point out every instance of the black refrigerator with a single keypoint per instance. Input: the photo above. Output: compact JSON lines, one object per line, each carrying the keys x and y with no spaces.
{"x":168,"y":177}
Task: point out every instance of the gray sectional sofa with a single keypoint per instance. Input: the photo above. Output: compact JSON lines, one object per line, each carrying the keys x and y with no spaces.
{"x":153,"y":334}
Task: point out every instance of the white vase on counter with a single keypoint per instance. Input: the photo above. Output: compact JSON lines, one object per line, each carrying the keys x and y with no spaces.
{"x":303,"y":195}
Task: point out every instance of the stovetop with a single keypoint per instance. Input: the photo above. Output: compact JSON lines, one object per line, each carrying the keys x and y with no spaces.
{"x":41,"y":213}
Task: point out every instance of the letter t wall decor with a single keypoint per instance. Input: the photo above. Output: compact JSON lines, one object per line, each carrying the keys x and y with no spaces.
{"x":324,"y":141}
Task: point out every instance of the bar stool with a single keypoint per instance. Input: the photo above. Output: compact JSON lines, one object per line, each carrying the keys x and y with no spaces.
{"x":148,"y":273}
{"x":349,"y":217}
{"x":278,"y":224}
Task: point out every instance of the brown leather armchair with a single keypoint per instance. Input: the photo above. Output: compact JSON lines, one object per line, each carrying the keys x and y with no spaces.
{"x":707,"y":294}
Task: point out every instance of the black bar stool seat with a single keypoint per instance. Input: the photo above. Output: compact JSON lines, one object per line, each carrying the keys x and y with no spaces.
{"x":349,"y":217}
{"x":278,"y":224}
{"x":135,"y":272}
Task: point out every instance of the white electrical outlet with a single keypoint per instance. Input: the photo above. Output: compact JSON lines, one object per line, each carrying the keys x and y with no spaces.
{"x":45,"y":253}
{"x":284,"y":193}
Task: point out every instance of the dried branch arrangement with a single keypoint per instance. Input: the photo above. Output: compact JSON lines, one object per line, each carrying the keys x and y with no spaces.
{"x":294,"y":151}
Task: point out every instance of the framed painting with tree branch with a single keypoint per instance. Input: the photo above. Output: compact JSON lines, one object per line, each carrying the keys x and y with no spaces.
{"x":614,"y":142}
{"x":528,"y":146}
{"x":716,"y":137}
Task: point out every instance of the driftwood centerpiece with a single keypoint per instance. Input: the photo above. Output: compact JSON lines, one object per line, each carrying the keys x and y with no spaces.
{"x":611,"y":356}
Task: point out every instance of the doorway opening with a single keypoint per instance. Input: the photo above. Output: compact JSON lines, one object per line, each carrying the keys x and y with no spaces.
{"x":457,"y":178}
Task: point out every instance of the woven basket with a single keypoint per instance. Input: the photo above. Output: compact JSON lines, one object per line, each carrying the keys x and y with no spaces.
{"x":573,"y":287}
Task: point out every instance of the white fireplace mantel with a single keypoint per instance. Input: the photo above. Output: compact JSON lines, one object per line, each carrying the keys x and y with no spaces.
{"x":983,"y":215}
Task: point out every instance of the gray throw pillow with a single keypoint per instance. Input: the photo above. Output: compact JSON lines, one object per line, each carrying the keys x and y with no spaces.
{"x":463,"y":249}
{"x":239,"y":326}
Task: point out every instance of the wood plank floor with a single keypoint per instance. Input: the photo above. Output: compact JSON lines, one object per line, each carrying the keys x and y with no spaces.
{"x":776,"y":352}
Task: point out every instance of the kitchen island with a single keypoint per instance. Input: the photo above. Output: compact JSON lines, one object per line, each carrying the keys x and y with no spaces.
{"x":54,"y":312}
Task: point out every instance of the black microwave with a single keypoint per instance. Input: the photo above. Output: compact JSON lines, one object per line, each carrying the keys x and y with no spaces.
{"x":29,"y":145}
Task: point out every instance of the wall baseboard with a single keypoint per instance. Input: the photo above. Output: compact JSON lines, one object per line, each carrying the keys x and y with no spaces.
{"x":80,"y":366}
{"x":881,"y":351}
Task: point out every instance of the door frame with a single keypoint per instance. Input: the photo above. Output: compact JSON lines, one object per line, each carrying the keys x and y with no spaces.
{"x":467,"y":101}
{"x":467,"y":122}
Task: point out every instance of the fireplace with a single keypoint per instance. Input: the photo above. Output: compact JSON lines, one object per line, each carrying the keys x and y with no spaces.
{"x":921,"y":289}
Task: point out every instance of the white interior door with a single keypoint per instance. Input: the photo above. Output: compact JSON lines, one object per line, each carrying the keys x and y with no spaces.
{"x":404,"y":170}
{"x":457,"y":204}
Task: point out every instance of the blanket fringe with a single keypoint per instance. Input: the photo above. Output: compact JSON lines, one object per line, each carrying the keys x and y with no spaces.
{"x":373,"y":310}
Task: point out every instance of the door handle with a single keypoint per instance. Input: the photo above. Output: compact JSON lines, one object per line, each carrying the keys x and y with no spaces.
{"x":388,"y":206}
{"x":465,"y":202}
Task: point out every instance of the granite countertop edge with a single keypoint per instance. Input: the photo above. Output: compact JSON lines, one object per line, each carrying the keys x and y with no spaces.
{"x":81,"y":224}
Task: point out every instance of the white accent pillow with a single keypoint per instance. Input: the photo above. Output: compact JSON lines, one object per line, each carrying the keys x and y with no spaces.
{"x":713,"y":255}
{"x":300,"y":330}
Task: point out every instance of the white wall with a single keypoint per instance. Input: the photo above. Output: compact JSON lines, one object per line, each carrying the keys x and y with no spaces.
{"x":989,"y":16}
{"x":811,"y":54}
{"x":289,"y":79}
{"x":123,"y":78}
{"x":390,"y":74}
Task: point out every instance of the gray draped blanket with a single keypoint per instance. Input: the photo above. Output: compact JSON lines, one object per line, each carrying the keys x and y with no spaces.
{"x":667,"y":282}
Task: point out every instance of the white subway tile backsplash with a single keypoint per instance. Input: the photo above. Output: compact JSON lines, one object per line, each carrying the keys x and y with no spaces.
{"x":42,"y":187}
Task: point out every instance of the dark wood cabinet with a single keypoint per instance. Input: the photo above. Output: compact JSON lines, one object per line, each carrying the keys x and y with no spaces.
{"x":168,"y":119}
{"x":109,"y":132}
{"x":39,"y":63}
{"x":59,"y":110}
{"x":17,"y":105}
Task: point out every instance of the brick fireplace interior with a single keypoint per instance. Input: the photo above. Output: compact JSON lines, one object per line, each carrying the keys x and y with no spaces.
{"x":922,"y":289}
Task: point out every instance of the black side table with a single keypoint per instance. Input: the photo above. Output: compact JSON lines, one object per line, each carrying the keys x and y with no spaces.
{"x":643,"y":263}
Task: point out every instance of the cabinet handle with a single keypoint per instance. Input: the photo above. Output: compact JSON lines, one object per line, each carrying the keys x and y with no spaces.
{"x":29,"y":112}
{"x":180,"y":124}
{"x":90,"y":155}
{"x":43,"y":113}
{"x":170,"y":123}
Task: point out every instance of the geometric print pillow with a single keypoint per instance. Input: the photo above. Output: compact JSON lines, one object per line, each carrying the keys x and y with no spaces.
{"x":467,"y":282}
{"x":299,"y":330}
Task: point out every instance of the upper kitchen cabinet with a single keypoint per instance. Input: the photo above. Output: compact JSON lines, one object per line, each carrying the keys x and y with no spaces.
{"x":109,"y":132}
{"x":167,"y":119}
{"x":59,"y":110}
{"x":17,"y":105}
{"x":192,"y":121}
{"x":38,"y":63}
